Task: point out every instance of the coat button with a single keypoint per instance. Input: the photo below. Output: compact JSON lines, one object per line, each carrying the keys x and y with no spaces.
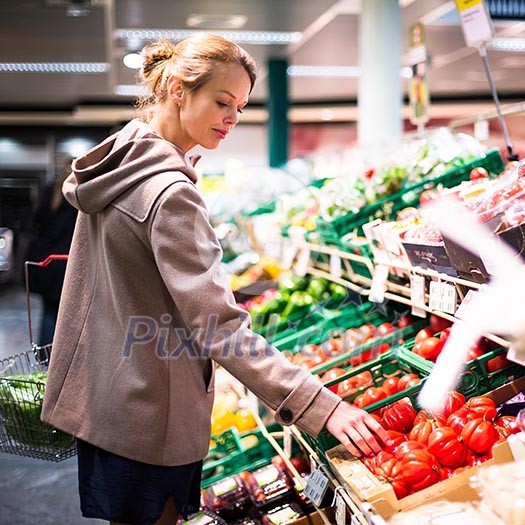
{"x":286,"y":415}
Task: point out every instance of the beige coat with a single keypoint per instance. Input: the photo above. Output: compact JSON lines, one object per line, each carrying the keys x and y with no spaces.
{"x":145,"y":306}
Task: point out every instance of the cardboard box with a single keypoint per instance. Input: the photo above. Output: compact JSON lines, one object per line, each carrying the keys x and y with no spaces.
{"x":315,"y":517}
{"x":352,"y":473}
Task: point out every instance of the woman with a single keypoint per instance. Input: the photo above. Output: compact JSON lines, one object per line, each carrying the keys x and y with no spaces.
{"x":146,"y":310}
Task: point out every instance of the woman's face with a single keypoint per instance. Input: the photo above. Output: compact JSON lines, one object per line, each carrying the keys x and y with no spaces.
{"x":210,"y":113}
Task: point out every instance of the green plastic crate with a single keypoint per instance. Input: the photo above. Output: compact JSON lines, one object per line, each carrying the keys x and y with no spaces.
{"x":233,"y":456}
{"x":476,"y":380}
{"x":387,"y":365}
{"x":386,"y":208}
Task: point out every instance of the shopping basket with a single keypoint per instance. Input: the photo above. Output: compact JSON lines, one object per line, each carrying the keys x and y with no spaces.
{"x":22,"y":383}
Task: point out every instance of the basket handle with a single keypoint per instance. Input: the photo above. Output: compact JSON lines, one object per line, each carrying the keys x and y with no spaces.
{"x":49,"y":259}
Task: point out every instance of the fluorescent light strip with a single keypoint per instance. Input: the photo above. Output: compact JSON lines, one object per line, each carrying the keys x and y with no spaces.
{"x":130,"y":90}
{"x":241,"y":37}
{"x":324,"y":71}
{"x":54,"y":67}
{"x":508,"y":44}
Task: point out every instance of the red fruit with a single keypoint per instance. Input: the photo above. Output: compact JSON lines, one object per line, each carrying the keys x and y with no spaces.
{"x":390,"y":385}
{"x":366,"y":332}
{"x":397,"y":438}
{"x":431,"y":348}
{"x":331,"y":374}
{"x":373,"y":395}
{"x":482,"y":407}
{"x":454,"y":401}
{"x":444,"y":334}
{"x":497,"y":363}
{"x":437,"y":323}
{"x":420,"y":469}
{"x":474,"y":352}
{"x":405,"y":320}
{"x":423,"y":334}
{"x":479,"y":459}
{"x":391,"y":471}
{"x":400,"y":417}
{"x":447,"y":448}
{"x":300,"y":464}
{"x":385,"y":329}
{"x":478,"y":174}
{"x":423,"y":428}
{"x":359,"y":401}
{"x":428,"y":196}
{"x":458,"y":419}
{"x":407,"y":381}
{"x":508,"y":422}
{"x":408,"y":446}
{"x":479,"y":435}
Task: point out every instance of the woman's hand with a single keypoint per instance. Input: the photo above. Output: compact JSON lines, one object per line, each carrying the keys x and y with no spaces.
{"x":353,"y":427}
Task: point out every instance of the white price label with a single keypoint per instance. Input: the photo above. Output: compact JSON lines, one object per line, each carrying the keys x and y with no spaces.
{"x":335,"y":265}
{"x":340,"y":510}
{"x":463,"y":308}
{"x":316,"y":487}
{"x":417,"y":295}
{"x":302,"y":262}
{"x":475,"y":22}
{"x":378,"y":288}
{"x":442,"y":297}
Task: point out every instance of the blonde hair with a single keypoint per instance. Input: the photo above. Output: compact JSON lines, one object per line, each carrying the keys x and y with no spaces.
{"x":192,"y":61}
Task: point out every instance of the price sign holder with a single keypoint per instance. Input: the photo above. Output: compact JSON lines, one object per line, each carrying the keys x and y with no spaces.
{"x":442,"y":297}
{"x":316,"y":487}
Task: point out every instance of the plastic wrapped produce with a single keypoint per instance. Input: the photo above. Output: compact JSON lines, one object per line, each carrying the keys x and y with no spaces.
{"x":283,"y":514}
{"x":268,"y":485}
{"x":228,"y":498}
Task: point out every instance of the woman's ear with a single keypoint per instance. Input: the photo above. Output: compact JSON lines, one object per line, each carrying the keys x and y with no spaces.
{"x":175,"y":90}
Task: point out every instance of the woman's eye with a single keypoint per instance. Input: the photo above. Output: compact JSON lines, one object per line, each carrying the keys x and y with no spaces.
{"x":222,"y":104}
{"x":239,"y":111}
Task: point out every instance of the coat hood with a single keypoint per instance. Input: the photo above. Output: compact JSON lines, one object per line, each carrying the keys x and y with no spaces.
{"x":124,"y":159}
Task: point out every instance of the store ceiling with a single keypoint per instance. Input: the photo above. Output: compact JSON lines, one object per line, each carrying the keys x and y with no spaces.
{"x":41,"y":31}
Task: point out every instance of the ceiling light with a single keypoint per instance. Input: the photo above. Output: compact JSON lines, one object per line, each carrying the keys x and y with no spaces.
{"x":516,"y":45}
{"x":324,"y":71}
{"x":133,"y":60}
{"x":216,"y":21}
{"x":130,"y":90}
{"x":76,"y":147}
{"x":241,"y":37}
{"x":54,"y":67}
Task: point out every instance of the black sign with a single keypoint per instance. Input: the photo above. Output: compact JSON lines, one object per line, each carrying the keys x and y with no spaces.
{"x":506,"y":9}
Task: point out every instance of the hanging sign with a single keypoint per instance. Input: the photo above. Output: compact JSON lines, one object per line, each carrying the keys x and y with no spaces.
{"x":418,"y":91}
{"x":475,"y":22}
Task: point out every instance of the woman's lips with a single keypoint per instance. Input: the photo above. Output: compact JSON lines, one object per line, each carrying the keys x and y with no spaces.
{"x":220,"y":133}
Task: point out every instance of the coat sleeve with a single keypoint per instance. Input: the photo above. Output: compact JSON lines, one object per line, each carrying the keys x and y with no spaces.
{"x":188,"y":256}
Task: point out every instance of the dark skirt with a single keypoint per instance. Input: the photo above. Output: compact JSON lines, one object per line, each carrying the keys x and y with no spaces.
{"x":118,"y":489}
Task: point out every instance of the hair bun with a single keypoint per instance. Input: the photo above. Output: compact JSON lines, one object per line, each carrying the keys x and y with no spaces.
{"x":155,"y":53}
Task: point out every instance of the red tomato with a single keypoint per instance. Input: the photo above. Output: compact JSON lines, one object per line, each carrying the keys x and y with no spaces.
{"x":332,"y":374}
{"x":397,"y":438}
{"x":458,"y":419}
{"x":437,"y":323}
{"x":332,"y":347}
{"x":420,"y":469}
{"x":407,"y":381}
{"x":373,"y":394}
{"x":482,"y":407}
{"x":423,"y":415}
{"x":408,"y":446}
{"x":360,"y":401}
{"x":423,"y":428}
{"x":423,"y":334}
{"x":454,"y":401}
{"x":385,"y":329}
{"x":391,"y":471}
{"x":474,"y":352}
{"x":479,"y":459}
{"x":478,"y":174}
{"x":444,"y":334}
{"x":497,"y":363}
{"x":346,"y":388}
{"x":428,"y":196}
{"x":447,"y":448}
{"x":430,"y":348}
{"x":479,"y":435}
{"x":508,"y":422}
{"x":400,"y":417}
{"x":366,"y":332}
{"x":446,"y":473}
{"x":300,"y":464}
{"x":390,"y":385}
{"x":405,"y":320}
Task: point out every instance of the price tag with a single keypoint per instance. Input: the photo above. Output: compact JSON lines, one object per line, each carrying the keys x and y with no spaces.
{"x":335,"y":265}
{"x":442,"y":297}
{"x":463,"y":308}
{"x":481,"y":130}
{"x":417,"y":295}
{"x":289,"y":253}
{"x":316,"y":487}
{"x":302,"y":262}
{"x":378,"y":287}
{"x":340,"y":510}
{"x":475,"y":22}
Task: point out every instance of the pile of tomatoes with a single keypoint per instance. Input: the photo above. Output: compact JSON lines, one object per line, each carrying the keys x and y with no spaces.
{"x":427,"y":448}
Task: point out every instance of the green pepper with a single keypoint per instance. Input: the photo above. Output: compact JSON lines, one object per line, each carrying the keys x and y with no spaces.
{"x":316,"y":288}
{"x":293,"y":283}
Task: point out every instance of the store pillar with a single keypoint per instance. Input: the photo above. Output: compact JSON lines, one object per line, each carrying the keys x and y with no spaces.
{"x":380,"y":95}
{"x":277,"y":111}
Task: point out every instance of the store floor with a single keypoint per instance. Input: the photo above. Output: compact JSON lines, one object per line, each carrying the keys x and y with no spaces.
{"x":32,"y":491}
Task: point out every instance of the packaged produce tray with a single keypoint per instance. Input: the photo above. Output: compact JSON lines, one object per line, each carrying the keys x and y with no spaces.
{"x":387,"y":365}
{"x":330,"y":232}
{"x":477,"y":379}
